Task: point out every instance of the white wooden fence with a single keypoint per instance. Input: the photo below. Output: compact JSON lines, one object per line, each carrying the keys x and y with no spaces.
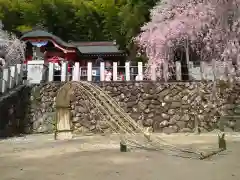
{"x":37,"y":71}
{"x":11,"y":77}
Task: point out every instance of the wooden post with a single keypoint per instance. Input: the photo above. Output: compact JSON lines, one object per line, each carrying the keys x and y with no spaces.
{"x":115,"y":71}
{"x":190,"y":70}
{"x":64,"y":71}
{"x":123,"y":144}
{"x":80,"y":73}
{"x":12,"y":78}
{"x":6,"y":79}
{"x":127,"y":71}
{"x":202,"y":66}
{"x":76,"y":72}
{"x":187,"y":55}
{"x":140,"y":71}
{"x":214,"y":70}
{"x":19,"y":74}
{"x":165,"y":71}
{"x":153,"y":72}
{"x":50,"y":71}
{"x":222,"y":142}
{"x":102,"y":71}
{"x":89,"y":71}
{"x":16,"y":75}
{"x":1,"y":81}
{"x":178,"y":71}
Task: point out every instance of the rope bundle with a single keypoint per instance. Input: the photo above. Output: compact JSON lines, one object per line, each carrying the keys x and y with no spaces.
{"x":121,"y":123}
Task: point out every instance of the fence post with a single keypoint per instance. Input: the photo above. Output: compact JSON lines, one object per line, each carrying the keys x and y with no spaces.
{"x":202,"y":66}
{"x":178,"y":71}
{"x":1,"y":80}
{"x":153,"y":72}
{"x":127,"y":71}
{"x":50,"y":71}
{"x":6,"y":79}
{"x":16,"y":75}
{"x":140,"y":71}
{"x":89,"y":71}
{"x":102,"y":71}
{"x":231,"y":71}
{"x":19,"y":73}
{"x":165,"y":71}
{"x":190,"y":70}
{"x":80,"y":72}
{"x":64,"y":71}
{"x":12,"y":78}
{"x":76,"y":72}
{"x":115,"y":71}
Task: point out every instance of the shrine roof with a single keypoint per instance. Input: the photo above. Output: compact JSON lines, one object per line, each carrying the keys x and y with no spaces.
{"x":98,"y":49}
{"x":44,"y":34}
{"x":84,"y":48}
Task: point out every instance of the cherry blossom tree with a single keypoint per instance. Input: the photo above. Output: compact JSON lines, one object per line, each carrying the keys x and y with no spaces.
{"x":211,"y":28}
{"x":12,"y":50}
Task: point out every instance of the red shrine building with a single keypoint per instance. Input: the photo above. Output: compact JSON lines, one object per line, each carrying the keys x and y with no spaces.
{"x":42,"y":44}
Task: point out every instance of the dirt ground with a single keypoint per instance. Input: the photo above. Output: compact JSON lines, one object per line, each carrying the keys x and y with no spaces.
{"x":38,"y":157}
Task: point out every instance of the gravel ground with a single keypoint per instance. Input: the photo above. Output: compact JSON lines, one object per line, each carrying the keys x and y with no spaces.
{"x":38,"y":157}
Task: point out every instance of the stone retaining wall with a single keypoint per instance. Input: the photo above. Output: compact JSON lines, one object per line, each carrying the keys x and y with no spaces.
{"x":14,"y":110}
{"x":166,"y":107}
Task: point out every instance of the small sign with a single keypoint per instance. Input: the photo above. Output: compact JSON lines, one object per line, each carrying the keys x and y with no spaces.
{"x":35,"y":71}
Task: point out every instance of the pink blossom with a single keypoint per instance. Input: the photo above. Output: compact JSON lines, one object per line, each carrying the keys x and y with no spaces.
{"x":204,"y":23}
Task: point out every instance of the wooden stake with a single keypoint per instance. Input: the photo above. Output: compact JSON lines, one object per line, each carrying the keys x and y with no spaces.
{"x":222,"y":142}
{"x":123,"y":147}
